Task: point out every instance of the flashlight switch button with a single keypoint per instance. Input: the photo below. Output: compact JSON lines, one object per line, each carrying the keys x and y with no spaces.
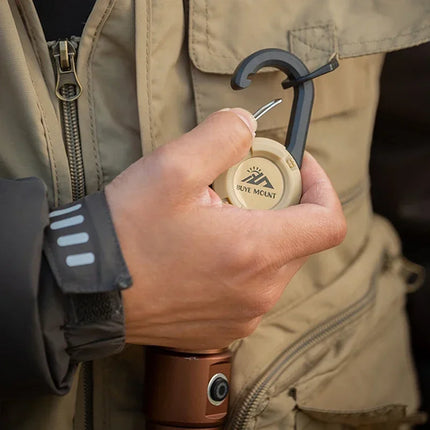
{"x":218,"y":389}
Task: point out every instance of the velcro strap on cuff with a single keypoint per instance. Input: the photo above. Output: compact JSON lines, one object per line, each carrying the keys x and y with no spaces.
{"x":95,"y":327}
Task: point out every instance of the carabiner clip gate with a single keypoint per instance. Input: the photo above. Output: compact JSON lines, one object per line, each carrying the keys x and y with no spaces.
{"x":299,"y":78}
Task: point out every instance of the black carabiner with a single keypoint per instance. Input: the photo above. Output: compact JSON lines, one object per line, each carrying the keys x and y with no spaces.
{"x":299,"y":78}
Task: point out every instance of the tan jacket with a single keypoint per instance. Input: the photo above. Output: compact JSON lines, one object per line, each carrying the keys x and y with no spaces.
{"x":334,"y":351}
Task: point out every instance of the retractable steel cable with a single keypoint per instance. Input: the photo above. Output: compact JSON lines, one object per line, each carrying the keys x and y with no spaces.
{"x":190,"y":389}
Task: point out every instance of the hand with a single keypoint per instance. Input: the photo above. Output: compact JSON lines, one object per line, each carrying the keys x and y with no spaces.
{"x":205,"y":272}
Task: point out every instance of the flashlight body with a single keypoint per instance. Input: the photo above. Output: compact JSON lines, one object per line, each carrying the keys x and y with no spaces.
{"x":186,"y":389}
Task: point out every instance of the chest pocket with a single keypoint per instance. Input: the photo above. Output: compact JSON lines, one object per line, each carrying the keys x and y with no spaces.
{"x":223,"y":32}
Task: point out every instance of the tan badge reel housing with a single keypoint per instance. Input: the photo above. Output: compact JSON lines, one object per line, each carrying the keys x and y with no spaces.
{"x":267,"y":178}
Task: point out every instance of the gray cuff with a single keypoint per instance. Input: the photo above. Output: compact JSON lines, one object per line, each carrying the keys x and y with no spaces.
{"x":83,"y":252}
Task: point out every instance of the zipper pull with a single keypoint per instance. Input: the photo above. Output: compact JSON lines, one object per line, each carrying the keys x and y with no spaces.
{"x":64,"y":55}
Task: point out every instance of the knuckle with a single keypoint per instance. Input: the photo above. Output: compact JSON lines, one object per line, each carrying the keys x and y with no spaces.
{"x":253,"y":309}
{"x":171,"y":166}
{"x":248,"y":327}
{"x":243,"y":329}
{"x":240,"y":137}
{"x":267,"y":298}
{"x":267,"y":301}
{"x":233,"y":131}
{"x":242,"y":255}
{"x":267,"y":261}
{"x":261,"y":301}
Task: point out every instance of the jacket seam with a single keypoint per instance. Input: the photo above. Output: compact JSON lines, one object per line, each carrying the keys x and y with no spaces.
{"x":310,"y":45}
{"x":51,"y":156}
{"x":197,"y":95}
{"x":30,"y":30}
{"x":99,"y":170}
{"x":43,"y":119}
{"x":194,"y":80}
{"x":324,"y":26}
{"x":207,"y":29}
{"x":330,"y":30}
{"x":364,"y":42}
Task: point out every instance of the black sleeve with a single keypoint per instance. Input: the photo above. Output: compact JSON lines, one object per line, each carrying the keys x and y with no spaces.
{"x":25,"y":365}
{"x":43,"y":330}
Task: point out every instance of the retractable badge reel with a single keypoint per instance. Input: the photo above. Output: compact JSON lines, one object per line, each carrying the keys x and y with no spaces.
{"x":269,"y":176}
{"x":190,"y":390}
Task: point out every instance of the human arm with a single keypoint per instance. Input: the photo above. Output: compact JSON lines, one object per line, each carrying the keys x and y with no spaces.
{"x":200,"y":278}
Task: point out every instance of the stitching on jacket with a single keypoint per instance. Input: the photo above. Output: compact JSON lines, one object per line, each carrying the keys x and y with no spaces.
{"x":194,"y":79}
{"x":316,"y":25}
{"x":57,"y":201}
{"x":419,"y":30}
{"x":193,"y":32}
{"x":207,"y":26}
{"x":90,"y":97}
{"x":148,"y":72}
{"x":44,"y":122}
{"x":312,"y":45}
{"x":262,"y":408}
{"x":323,"y":26}
{"x":209,"y":45}
{"x":197,"y":97}
{"x":30,"y":30}
{"x":309,"y":55}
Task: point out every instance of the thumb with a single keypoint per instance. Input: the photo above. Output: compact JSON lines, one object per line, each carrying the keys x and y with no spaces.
{"x":212,"y":147}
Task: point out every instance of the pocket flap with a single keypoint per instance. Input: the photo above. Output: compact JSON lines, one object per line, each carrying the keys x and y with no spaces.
{"x":223,"y":32}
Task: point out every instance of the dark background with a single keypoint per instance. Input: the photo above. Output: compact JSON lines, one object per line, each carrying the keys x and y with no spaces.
{"x":62,"y":19}
{"x":400,"y":173}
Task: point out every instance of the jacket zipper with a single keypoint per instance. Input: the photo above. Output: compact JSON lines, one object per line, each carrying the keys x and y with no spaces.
{"x":68,"y":89}
{"x":245,"y":411}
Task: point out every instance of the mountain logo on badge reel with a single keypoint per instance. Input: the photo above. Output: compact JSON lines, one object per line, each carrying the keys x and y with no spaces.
{"x":257,"y":177}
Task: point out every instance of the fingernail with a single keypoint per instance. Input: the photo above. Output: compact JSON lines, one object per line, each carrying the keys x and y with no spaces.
{"x":247,"y":118}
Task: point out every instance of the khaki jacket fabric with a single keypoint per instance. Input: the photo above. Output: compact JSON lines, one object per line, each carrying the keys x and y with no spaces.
{"x":334,"y":352}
